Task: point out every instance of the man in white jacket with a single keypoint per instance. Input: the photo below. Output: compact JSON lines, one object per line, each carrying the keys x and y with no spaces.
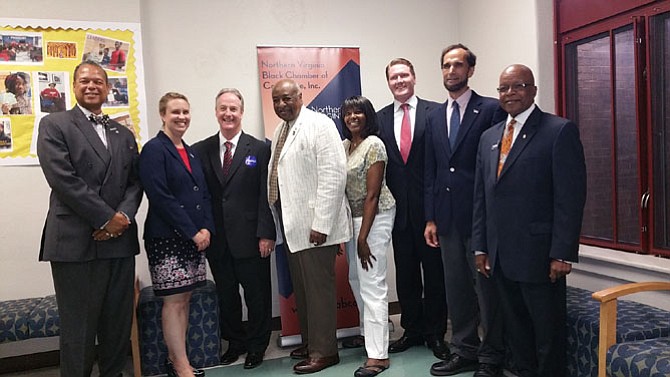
{"x":306,"y":183}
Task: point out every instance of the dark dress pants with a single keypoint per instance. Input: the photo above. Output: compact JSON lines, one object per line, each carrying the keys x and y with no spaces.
{"x":535,"y":316}
{"x":253,"y":274}
{"x":473,"y":301}
{"x":422,"y":300}
{"x":95,"y":299}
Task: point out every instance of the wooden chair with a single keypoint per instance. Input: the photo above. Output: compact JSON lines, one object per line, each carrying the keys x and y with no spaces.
{"x":608,"y":314}
{"x":134,"y":333}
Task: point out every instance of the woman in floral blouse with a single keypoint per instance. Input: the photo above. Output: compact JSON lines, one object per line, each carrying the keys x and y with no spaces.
{"x":373,"y":210}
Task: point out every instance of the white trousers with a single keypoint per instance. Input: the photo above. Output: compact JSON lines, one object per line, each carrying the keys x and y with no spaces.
{"x":369,"y":287}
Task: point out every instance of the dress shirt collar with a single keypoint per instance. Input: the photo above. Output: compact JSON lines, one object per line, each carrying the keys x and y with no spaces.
{"x":235,"y":140}
{"x":521,"y":118}
{"x":86,"y":111}
{"x":462,"y":100}
{"x":412,"y":102}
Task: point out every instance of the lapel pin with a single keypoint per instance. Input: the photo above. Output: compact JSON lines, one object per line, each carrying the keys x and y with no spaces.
{"x":476,"y":111}
{"x":494,"y":146}
{"x":523,"y":136}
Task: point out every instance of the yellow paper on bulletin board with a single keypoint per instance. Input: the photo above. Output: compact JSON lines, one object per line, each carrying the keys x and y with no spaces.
{"x":37,"y":59}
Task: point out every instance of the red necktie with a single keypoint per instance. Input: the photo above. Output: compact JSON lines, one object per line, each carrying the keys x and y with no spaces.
{"x":227,"y":157}
{"x":405,"y":133}
{"x":506,"y":144}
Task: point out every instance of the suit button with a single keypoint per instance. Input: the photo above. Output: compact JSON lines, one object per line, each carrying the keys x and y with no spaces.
{"x":196,"y":188}
{"x":223,"y":200}
{"x":198,"y":207}
{"x":452,"y":170}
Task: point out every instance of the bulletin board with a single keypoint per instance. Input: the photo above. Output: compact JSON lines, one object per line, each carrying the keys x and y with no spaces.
{"x":37,"y":58}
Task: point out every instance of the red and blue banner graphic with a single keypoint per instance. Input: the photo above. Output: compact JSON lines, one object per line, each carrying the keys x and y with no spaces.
{"x":326,"y":76}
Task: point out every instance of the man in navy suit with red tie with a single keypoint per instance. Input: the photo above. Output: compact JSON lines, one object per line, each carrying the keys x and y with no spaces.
{"x":530,"y":190}
{"x":419,"y":277}
{"x":452,"y":136}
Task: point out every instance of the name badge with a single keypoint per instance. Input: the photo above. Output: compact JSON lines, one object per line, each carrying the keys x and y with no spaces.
{"x":250,"y":161}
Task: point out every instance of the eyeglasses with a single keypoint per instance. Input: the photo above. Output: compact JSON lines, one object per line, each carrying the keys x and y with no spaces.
{"x":515,"y":87}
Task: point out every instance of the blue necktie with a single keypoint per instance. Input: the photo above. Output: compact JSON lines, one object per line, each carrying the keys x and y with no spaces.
{"x":454,"y":124}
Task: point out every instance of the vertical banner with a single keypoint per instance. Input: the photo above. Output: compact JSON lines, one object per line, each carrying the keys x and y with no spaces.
{"x":326,"y":76}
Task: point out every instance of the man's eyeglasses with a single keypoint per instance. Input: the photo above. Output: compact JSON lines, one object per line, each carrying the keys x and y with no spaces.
{"x":515,"y":87}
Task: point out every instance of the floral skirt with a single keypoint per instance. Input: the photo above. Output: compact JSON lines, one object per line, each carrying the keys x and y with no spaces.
{"x":176,"y":265}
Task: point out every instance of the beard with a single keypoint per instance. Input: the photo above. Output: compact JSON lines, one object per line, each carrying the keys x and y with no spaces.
{"x":457,"y":86}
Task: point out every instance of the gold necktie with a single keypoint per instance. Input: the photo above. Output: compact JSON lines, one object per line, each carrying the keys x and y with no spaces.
{"x":273,"y":193}
{"x":506,"y":145}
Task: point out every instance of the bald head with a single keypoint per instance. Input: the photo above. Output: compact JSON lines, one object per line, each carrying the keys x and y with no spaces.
{"x":287,"y":99}
{"x":517,"y":89}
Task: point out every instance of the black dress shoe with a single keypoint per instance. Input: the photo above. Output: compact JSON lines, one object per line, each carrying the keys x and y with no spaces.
{"x":404,"y":343}
{"x":454,"y":365}
{"x":488,"y":370}
{"x":357,"y":341}
{"x":300,"y":352}
{"x":171,"y":372}
{"x":439,"y":347}
{"x":253,"y":359}
{"x":313,"y":365}
{"x":231,"y":356}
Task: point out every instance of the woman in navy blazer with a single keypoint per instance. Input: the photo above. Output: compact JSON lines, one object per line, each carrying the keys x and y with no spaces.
{"x":178,"y":226}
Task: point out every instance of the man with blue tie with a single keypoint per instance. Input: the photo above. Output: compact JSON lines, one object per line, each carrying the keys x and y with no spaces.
{"x":452,"y":136}
{"x":530,"y":190}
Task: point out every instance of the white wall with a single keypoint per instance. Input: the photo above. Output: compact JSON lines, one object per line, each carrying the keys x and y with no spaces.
{"x":198,"y":47}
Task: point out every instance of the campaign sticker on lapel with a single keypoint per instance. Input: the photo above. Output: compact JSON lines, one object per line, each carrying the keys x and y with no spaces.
{"x":250,"y":161}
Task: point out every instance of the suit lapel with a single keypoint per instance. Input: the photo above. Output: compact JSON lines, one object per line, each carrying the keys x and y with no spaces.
{"x":213,"y":155}
{"x":441,"y":131}
{"x":241,"y":151}
{"x":527,"y":132}
{"x":293,"y":132}
{"x":388,"y":133}
{"x":172,"y":149}
{"x":471,"y":113}
{"x":88,"y":130}
{"x":419,"y":126}
{"x":494,"y":155}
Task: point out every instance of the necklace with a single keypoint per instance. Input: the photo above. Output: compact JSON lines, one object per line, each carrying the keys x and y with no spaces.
{"x":354,"y":145}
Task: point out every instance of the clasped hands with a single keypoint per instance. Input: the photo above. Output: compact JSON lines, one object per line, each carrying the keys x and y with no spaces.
{"x":114,"y":228}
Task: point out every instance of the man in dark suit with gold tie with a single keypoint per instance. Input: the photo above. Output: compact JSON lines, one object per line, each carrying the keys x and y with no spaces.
{"x":530,"y":190}
{"x":90,"y":236}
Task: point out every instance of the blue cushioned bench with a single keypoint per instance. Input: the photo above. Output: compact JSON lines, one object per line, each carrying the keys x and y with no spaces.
{"x":636,"y":322}
{"x":29,"y":318}
{"x":203,"y":340}
{"x":32,"y":318}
